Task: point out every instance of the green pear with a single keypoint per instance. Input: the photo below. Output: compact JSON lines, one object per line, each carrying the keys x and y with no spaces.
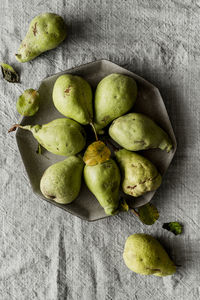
{"x":61,"y":136}
{"x":115,"y":95}
{"x":9,"y":73}
{"x":61,"y":182}
{"x":139,"y":175}
{"x":46,"y":31}
{"x":137,"y":132}
{"x":28,"y":103}
{"x":103,"y":180}
{"x":143,"y":254}
{"x":72,"y":96}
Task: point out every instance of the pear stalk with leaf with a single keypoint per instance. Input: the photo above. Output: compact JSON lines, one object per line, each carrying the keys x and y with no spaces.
{"x":139,"y":175}
{"x":102,"y":176}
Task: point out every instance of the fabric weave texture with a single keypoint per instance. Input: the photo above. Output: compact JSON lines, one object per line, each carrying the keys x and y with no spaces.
{"x":48,"y":254}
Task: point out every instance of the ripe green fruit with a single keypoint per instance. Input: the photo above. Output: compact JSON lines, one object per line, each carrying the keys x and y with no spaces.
{"x":115,"y":95}
{"x":28,"y":103}
{"x":61,"y":136}
{"x":137,"y":132}
{"x":139,"y":175}
{"x":61,"y":182}
{"x":72,"y":96}
{"x":143,"y":254}
{"x":103,"y":180}
{"x":46,"y":31}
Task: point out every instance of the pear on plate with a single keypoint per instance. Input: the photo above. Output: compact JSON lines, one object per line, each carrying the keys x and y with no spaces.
{"x":61,"y":182}
{"x":60,"y":136}
{"x":139,"y":175}
{"x":143,"y":254}
{"x":46,"y":31}
{"x":103,"y":180}
{"x":137,"y":132}
{"x":115,"y":95}
{"x":72,"y":96}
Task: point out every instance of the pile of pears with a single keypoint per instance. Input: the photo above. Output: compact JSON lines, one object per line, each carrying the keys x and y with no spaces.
{"x":104,"y":172}
{"x":110,"y":110}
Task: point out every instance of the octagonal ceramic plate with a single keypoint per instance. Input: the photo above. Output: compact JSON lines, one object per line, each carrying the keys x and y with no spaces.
{"x":149,"y":101}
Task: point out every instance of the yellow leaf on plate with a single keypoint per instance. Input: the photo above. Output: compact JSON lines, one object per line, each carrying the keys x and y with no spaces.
{"x":96,"y":153}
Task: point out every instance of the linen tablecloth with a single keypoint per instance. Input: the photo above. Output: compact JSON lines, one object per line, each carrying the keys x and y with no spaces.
{"x":46,"y":253}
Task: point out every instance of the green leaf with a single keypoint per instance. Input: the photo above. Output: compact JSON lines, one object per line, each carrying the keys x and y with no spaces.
{"x":9,"y":73}
{"x":174,"y":227}
{"x":123,"y":206}
{"x":148,"y":214}
{"x":39,"y":149}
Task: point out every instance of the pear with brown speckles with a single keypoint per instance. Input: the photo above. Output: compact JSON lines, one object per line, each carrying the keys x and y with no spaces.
{"x":72,"y":96}
{"x":46,"y":31}
{"x":61,"y":182}
{"x":143,"y":254}
{"x":139,"y":175}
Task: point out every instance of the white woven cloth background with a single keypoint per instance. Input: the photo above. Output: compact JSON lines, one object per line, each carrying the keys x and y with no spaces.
{"x":48,"y":254}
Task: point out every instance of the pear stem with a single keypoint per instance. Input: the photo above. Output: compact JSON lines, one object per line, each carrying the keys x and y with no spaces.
{"x":14,"y":127}
{"x":114,"y":148}
{"x":18,"y":57}
{"x":134,"y":211}
{"x":94,"y":129}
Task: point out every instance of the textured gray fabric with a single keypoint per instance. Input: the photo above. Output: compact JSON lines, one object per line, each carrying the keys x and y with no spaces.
{"x":46,"y":253}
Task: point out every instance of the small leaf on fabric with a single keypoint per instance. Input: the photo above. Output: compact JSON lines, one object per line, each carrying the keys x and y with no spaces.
{"x":96,"y":153}
{"x":9,"y":73}
{"x":148,"y":214}
{"x":174,"y":227}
